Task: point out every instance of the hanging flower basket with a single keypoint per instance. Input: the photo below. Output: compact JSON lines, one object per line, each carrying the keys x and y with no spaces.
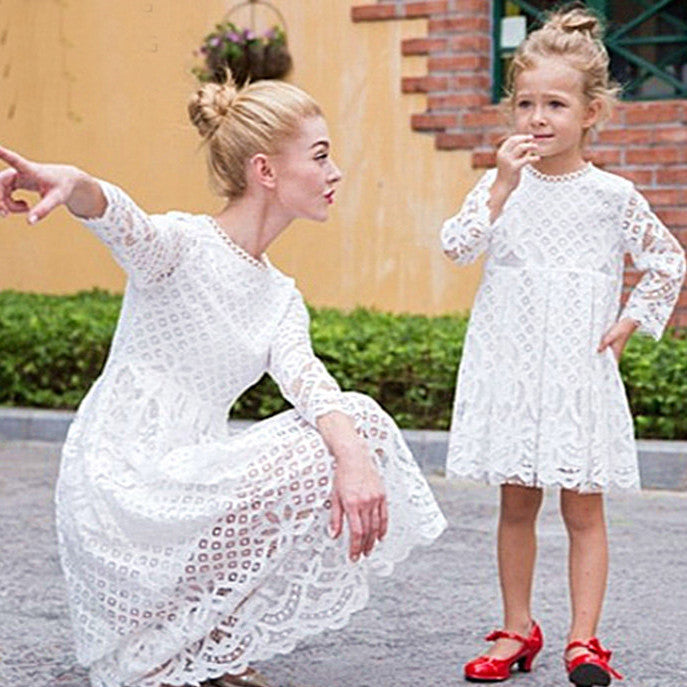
{"x":248,"y":55}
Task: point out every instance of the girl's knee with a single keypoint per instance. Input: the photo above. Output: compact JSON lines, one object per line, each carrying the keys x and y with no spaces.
{"x":582,"y":512}
{"x":520,"y":505}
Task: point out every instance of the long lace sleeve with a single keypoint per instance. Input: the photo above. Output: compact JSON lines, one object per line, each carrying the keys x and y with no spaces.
{"x":147,"y":248}
{"x":302,"y":378}
{"x":466,"y":235}
{"x":657,"y":253}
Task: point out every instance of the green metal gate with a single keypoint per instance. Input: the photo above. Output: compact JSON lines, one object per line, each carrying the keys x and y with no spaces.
{"x":647,"y":43}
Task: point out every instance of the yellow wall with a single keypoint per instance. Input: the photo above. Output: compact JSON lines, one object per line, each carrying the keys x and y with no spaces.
{"x":104,"y":84}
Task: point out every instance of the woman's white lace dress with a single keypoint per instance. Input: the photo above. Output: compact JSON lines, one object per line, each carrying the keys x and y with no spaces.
{"x":189,"y":552}
{"x":536,"y":405}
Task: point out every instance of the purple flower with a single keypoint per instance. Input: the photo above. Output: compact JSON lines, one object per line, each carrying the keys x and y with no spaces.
{"x":249,"y":35}
{"x":215,"y":42}
{"x":271,"y":33}
{"x":233,"y":37}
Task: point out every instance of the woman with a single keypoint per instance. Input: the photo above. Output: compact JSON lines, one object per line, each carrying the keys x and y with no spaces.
{"x":190,"y":553}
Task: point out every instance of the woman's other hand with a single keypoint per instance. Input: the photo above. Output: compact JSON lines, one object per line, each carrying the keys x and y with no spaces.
{"x":358,"y":494}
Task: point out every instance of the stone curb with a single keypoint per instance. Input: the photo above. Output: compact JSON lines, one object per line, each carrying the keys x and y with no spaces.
{"x":662,"y":464}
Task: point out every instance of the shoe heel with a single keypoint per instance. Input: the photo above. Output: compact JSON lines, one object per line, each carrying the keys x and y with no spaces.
{"x":525,"y":663}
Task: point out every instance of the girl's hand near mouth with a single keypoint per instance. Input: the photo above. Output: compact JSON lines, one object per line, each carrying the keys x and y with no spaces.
{"x":515,"y":152}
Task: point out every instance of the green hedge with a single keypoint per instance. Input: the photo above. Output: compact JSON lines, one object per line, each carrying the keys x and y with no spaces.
{"x":52,"y":348}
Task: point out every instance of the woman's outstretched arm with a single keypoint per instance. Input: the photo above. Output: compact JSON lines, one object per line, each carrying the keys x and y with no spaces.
{"x":55,"y":184}
{"x":148,"y":248}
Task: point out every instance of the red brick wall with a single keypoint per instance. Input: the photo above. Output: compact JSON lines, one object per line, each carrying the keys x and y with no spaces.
{"x":645,"y":142}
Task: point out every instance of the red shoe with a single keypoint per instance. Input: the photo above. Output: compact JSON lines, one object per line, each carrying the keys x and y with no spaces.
{"x":490,"y":669}
{"x":590,"y":668}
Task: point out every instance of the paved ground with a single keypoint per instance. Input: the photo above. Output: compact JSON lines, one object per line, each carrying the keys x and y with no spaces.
{"x":420,"y":625}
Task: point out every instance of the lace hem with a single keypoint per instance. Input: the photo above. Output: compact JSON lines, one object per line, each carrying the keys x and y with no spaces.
{"x":99,"y":675}
{"x":307,"y":585}
{"x":496,"y":478}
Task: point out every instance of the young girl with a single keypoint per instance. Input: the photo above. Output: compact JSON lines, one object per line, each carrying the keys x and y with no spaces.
{"x":190,"y":553}
{"x":539,"y":399}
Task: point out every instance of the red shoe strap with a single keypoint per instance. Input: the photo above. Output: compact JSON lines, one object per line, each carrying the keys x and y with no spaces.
{"x":594,"y":647}
{"x":505,"y":634}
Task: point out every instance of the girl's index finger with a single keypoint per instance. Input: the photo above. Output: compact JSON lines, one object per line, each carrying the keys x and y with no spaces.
{"x":13,"y":159}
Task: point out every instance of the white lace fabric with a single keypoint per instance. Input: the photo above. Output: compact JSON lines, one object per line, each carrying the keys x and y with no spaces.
{"x":190,"y":552}
{"x":535,"y":404}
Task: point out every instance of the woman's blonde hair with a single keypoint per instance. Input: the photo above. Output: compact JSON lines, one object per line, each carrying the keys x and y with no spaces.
{"x":574,"y":35}
{"x":239,"y":123}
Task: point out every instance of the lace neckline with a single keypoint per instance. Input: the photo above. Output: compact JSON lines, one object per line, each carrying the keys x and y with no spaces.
{"x":260,"y":263}
{"x":554,"y":178}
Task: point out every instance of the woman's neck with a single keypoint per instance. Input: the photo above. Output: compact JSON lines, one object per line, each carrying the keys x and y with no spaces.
{"x":252,"y":224}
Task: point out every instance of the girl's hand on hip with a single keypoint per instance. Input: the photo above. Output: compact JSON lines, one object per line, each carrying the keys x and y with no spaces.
{"x":358,"y":493}
{"x":55,"y":184}
{"x":617,"y":336}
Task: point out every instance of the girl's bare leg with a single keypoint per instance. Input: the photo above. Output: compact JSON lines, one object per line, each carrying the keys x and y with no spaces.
{"x":517,"y":550}
{"x":583,"y":515}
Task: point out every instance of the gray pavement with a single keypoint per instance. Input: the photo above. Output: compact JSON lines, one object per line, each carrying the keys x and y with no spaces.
{"x":420,"y":625}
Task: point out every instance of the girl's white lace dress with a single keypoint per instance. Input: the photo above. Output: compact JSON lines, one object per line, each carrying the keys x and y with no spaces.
{"x":536,"y":405}
{"x":190,"y":552}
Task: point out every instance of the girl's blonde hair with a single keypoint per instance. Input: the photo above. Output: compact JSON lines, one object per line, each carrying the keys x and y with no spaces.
{"x":574,"y":35}
{"x":239,"y":123}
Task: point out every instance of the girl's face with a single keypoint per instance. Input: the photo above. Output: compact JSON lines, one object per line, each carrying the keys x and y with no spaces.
{"x":550,"y":105}
{"x":305,"y":174}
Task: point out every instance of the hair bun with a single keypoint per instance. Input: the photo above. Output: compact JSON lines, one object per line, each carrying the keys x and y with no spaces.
{"x":210,"y":104}
{"x":576,"y":20}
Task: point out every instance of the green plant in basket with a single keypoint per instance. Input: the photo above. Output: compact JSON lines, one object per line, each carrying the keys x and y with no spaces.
{"x":248,"y":55}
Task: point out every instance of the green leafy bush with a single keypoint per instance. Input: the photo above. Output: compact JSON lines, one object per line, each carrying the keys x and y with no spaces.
{"x":655,"y":376}
{"x":53,"y":347}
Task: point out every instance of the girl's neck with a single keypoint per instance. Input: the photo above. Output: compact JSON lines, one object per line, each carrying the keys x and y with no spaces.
{"x":564,"y":163}
{"x":252,"y":223}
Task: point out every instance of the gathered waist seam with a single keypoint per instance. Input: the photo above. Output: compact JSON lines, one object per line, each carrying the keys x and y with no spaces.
{"x":554,"y":270}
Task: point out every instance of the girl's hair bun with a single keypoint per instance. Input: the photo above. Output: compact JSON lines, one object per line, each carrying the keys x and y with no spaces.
{"x":577,"y":19}
{"x":208,"y":106}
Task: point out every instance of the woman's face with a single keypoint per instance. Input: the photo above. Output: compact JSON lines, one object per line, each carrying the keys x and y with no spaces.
{"x":305,"y":173}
